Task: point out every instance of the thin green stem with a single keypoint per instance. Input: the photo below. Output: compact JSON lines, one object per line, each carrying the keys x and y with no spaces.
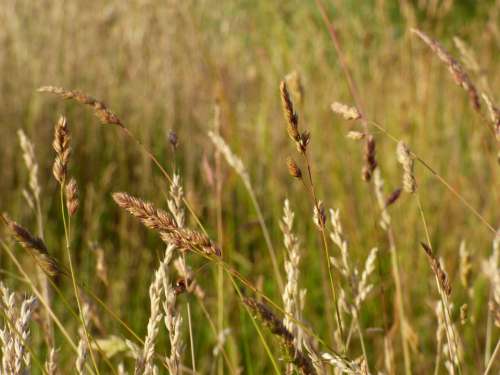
{"x":67,"y":225}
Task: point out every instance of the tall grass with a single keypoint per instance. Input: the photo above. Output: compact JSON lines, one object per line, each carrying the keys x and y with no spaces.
{"x":220,"y":277}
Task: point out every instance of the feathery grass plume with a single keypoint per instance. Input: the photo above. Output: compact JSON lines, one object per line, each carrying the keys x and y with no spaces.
{"x":293,"y":168}
{"x":369,"y":157}
{"x":100,"y":110}
{"x":494,"y":115}
{"x":457,"y":71}
{"x":465,"y":266}
{"x":406,"y":159}
{"x":23,"y":333}
{"x":275,"y":325}
{"x":291,"y":293}
{"x":294,"y":83}
{"x":72,"y":201}
{"x":6,"y":334}
{"x":164,"y":223}
{"x":15,"y":333}
{"x":31,"y":164}
{"x":172,"y":320}
{"x":35,"y":247}
{"x":438,"y":270}
{"x":144,"y":364}
{"x":233,"y":160}
{"x":347,"y":112}
{"x":62,"y":148}
{"x":337,"y":237}
{"x":363,"y":286}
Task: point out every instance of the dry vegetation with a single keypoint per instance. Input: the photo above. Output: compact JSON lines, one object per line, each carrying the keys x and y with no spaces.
{"x":304,"y":187}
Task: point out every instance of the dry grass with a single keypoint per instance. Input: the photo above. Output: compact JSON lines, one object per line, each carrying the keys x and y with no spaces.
{"x":223,"y":278}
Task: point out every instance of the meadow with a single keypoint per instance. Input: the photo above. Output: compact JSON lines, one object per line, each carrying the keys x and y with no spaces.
{"x":250,"y":187}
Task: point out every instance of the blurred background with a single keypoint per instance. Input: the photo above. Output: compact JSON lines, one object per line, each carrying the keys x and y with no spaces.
{"x":162,"y":66}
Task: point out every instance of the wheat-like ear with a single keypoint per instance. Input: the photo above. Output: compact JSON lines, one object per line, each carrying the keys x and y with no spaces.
{"x":62,"y":148}
{"x":35,"y":247}
{"x":101,"y":111}
{"x":162,"y":222}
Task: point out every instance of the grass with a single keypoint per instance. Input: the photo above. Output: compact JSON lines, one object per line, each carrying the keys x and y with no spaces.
{"x":199,"y":67}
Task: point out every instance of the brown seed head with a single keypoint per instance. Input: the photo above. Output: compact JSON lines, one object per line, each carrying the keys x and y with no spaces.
{"x":293,"y":168}
{"x":291,"y":116}
{"x":35,"y":247}
{"x":438,"y":270}
{"x":72,"y":202}
{"x":100,"y":110}
{"x":370,"y":160}
{"x":62,"y":148}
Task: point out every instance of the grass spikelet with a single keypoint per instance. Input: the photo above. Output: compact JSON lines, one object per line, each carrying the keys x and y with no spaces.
{"x":35,"y":247}
{"x":100,"y":110}
{"x":72,"y":201}
{"x":370,"y":160}
{"x":294,"y":83}
{"x":459,"y":75}
{"x":62,"y":148}
{"x":405,"y":158}
{"x":291,"y":117}
{"x":347,"y":112}
{"x":29,"y":159}
{"x":162,"y":222}
{"x":438,"y":270}
{"x":291,"y":293}
{"x":293,"y":168}
{"x":275,"y":325}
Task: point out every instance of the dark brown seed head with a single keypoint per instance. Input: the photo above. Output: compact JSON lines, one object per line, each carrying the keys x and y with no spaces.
{"x":393,"y":197}
{"x":35,"y":246}
{"x":173,"y":139}
{"x":370,"y":160}
{"x":291,"y":116}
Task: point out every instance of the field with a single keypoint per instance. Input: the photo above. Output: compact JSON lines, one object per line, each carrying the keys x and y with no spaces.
{"x":250,"y":187}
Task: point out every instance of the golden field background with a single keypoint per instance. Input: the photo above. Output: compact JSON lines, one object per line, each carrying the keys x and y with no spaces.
{"x":162,"y":65}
